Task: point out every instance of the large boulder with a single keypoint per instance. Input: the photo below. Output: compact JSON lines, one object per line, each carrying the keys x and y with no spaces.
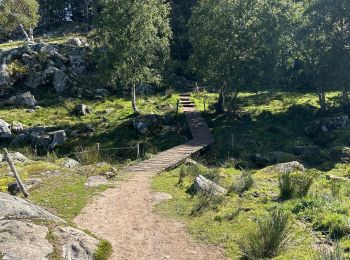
{"x":284,"y":168}
{"x":16,"y":157}
{"x":24,"y":240}
{"x":340,"y":154}
{"x":5,"y":131}
{"x":17,"y":208}
{"x":203,"y":185}
{"x":25,"y":99}
{"x":75,"y":244}
{"x":70,"y":163}
{"x":326,"y":125}
{"x":59,"y":137}
{"x":75,"y":42}
{"x":60,"y":81}
{"x":95,"y":181}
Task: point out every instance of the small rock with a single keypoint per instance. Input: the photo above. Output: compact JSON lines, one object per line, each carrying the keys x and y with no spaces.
{"x":13,"y":188}
{"x":17,"y":157}
{"x":5,"y":131}
{"x":202,"y":184}
{"x":75,"y":244}
{"x":75,"y":42}
{"x":70,"y":163}
{"x":82,"y":110}
{"x":95,"y":181}
{"x":16,"y":127}
{"x":160,"y":197}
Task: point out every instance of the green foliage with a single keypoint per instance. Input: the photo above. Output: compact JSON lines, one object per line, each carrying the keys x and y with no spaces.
{"x":331,"y":254}
{"x":87,"y":155}
{"x":14,"y":13}
{"x":104,"y":250}
{"x":294,"y":185}
{"x":336,"y":225}
{"x":134,"y":37}
{"x":205,"y":202}
{"x":271,"y":235}
{"x":244,"y":182}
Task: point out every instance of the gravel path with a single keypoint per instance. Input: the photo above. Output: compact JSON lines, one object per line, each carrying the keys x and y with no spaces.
{"x":125,"y":216}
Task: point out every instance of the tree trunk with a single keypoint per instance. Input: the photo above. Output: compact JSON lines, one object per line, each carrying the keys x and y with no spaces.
{"x":345,"y":95}
{"x":322,"y":99}
{"x":25,"y":33}
{"x":220,"y":106}
{"x":233,"y":100}
{"x":31,"y":34}
{"x":133,"y":99}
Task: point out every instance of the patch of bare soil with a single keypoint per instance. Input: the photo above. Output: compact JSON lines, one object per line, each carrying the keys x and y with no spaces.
{"x":125,"y":216}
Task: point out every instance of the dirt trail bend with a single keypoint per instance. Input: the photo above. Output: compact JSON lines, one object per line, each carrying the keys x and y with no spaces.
{"x":125,"y":216}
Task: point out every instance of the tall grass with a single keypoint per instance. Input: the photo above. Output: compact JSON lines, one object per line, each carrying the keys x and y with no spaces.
{"x":294,"y":185}
{"x":331,"y":254}
{"x":205,"y":202}
{"x":244,"y":182}
{"x":271,"y":235}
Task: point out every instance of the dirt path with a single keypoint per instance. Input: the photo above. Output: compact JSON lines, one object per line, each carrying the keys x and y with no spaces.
{"x":124,"y":216}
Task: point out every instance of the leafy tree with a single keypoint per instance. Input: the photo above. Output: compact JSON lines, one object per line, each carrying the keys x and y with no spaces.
{"x":326,"y":46}
{"x":134,"y":37}
{"x":238,"y":43}
{"x":19,"y":13}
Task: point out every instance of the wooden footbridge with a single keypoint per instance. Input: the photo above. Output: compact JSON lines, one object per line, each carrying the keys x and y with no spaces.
{"x":168,"y":159}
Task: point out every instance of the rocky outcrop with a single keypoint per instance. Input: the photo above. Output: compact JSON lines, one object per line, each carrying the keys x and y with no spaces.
{"x":284,"y":168}
{"x":203,"y":185}
{"x":17,"y":208}
{"x":75,"y":244}
{"x":24,"y":240}
{"x":326,"y":125}
{"x":39,"y":65}
{"x":15,"y":157}
{"x":20,"y":238}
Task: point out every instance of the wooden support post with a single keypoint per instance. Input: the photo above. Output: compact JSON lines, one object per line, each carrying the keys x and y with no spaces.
{"x":197,"y":88}
{"x":98,"y":147}
{"x":177,"y":107}
{"x":138,"y":150}
{"x":15,"y":173}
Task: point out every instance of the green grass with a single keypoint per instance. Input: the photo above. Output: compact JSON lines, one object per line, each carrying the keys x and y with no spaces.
{"x":227,"y":223}
{"x":65,"y":195}
{"x":103,"y":251}
{"x":267,"y":122}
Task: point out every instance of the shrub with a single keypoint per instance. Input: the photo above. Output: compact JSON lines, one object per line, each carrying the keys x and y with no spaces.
{"x":337,"y":225}
{"x":271,"y":235}
{"x":87,"y":155}
{"x":244,"y":183}
{"x":182,"y":175}
{"x":206,"y":202}
{"x":294,"y":185}
{"x":331,"y":254}
{"x":336,"y":189}
{"x":103,"y":251}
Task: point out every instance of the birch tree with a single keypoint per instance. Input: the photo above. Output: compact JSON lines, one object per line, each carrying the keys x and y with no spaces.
{"x":134,"y":38}
{"x":21,"y":14}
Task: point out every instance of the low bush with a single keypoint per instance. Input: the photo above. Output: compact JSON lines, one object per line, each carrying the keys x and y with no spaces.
{"x":331,"y":254}
{"x":336,"y":225}
{"x":271,"y":235}
{"x":104,"y":250}
{"x":294,"y":185}
{"x":244,"y":182}
{"x":206,"y":202}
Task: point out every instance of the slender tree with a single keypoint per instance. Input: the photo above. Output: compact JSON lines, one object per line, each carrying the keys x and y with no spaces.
{"x":134,"y":37}
{"x":19,"y":13}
